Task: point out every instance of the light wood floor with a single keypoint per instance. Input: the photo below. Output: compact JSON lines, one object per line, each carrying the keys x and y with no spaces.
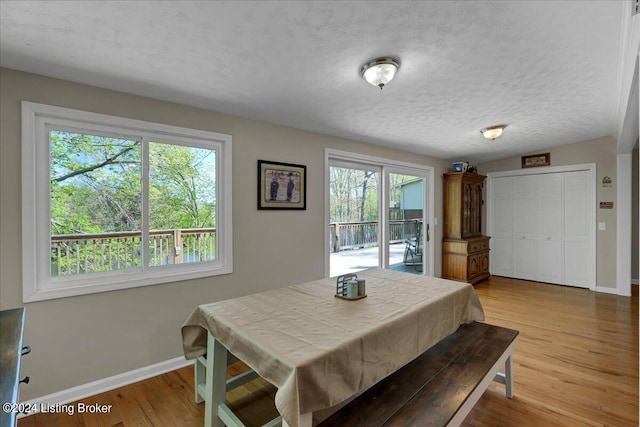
{"x":575,"y":364}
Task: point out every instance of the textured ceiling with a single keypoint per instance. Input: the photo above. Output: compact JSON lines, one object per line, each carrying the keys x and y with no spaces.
{"x":548,"y":69}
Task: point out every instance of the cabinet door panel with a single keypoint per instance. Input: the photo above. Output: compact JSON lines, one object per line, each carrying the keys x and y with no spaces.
{"x":476,"y":212}
{"x":473,"y":266}
{"x":484,"y":262}
{"x":467,"y":191}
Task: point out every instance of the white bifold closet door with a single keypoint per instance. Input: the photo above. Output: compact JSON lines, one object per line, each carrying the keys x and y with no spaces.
{"x":549,"y":228}
{"x":577,"y":224}
{"x":525,"y":221}
{"x":540,"y":227}
{"x":502,"y":230}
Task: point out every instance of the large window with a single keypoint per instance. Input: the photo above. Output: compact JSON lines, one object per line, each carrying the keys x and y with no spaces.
{"x":111,"y":203}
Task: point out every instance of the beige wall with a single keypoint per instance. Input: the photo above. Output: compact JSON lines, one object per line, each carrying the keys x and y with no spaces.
{"x":85,"y":338}
{"x":601,"y":151}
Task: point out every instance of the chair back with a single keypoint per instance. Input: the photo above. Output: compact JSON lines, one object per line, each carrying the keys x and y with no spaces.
{"x":418,"y":236}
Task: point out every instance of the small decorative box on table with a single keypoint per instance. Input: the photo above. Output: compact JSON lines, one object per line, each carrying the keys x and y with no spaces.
{"x":350,"y":288}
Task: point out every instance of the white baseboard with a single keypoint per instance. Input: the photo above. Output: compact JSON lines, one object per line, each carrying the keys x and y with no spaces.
{"x":635,"y":282}
{"x":106,"y":384}
{"x":607,"y":290}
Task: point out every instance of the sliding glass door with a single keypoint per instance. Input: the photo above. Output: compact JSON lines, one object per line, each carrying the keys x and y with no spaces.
{"x":378,"y":217}
{"x":354,"y":218}
{"x":408,"y":230}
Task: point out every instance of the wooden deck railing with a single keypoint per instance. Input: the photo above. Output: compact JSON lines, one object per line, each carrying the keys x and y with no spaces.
{"x":353,"y":235}
{"x":86,"y":253}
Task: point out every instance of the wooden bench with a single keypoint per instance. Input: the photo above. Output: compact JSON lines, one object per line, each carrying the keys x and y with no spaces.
{"x":441,"y":386}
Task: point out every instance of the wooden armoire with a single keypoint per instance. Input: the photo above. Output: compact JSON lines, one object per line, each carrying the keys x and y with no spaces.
{"x":465,"y":251}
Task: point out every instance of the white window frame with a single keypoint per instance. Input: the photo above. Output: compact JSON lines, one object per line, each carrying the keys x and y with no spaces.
{"x":38,"y":284}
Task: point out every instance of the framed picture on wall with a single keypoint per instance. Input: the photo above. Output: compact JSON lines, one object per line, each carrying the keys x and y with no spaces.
{"x":536,"y":160}
{"x":281,"y":185}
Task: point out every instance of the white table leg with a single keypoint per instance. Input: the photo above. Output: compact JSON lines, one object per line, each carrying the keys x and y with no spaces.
{"x":305,"y":420}
{"x":216,"y":381}
{"x":508,"y":373}
{"x":198,"y":373}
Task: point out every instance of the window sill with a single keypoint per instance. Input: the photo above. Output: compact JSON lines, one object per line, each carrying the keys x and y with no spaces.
{"x":132,"y":279}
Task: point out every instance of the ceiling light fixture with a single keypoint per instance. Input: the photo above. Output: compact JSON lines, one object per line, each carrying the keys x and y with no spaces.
{"x":380,"y":71}
{"x":493,"y":132}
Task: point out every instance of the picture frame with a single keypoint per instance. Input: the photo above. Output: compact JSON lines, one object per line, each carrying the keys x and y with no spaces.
{"x":535,"y":160}
{"x":281,"y":186}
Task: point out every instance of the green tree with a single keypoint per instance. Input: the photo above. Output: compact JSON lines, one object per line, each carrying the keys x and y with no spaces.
{"x":353,"y":195}
{"x":95,"y":183}
{"x":181,"y":187}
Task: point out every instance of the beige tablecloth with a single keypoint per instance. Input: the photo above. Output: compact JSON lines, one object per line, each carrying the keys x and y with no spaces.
{"x":319,"y":350}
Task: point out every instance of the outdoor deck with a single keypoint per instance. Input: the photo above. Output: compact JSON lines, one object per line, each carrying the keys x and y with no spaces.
{"x":352,"y":261}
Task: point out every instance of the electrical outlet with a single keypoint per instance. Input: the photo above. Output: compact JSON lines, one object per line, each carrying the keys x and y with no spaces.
{"x":602,"y":226}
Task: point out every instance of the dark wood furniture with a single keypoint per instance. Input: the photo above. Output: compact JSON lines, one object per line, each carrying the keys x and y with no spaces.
{"x":440,"y":387}
{"x":465,"y":251}
{"x":11,"y":352}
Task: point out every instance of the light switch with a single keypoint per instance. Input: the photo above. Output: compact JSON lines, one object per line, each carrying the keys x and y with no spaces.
{"x":435,"y":221}
{"x":602,"y":226}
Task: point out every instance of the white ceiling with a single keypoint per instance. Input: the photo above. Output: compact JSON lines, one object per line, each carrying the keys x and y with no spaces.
{"x":548,"y":69}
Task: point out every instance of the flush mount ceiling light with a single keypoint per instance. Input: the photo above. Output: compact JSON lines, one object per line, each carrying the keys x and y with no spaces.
{"x":493,"y":132}
{"x":380,"y":71}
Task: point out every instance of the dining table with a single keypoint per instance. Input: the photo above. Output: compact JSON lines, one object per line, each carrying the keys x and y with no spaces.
{"x":320,"y":350}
